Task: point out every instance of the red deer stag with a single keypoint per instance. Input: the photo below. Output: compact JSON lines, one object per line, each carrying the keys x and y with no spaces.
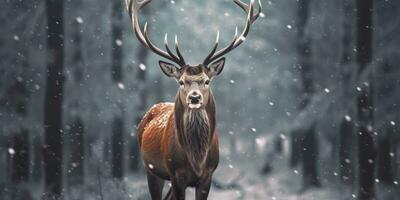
{"x":178,"y":141}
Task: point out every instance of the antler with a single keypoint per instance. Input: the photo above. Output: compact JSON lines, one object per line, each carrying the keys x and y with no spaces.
{"x":133,"y":8}
{"x":237,"y":40}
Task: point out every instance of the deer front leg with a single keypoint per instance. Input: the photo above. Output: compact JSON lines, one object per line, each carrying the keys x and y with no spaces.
{"x":204,"y":188}
{"x":178,"y":188}
{"x":155,"y":185}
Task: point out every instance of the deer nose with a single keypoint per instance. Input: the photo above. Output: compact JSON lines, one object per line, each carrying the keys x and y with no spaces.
{"x":194,"y":98}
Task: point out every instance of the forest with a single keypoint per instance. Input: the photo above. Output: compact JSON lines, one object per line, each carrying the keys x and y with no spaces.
{"x":307,"y":106}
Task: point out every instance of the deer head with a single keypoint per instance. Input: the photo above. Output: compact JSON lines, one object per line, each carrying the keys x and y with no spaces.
{"x":194,"y":80}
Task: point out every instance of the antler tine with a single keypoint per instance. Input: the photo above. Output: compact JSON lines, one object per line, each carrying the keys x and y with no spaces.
{"x":206,"y":61}
{"x":167,"y":47}
{"x":236,"y":41}
{"x":177,"y":50}
{"x":245,"y":7}
{"x":133,"y":8}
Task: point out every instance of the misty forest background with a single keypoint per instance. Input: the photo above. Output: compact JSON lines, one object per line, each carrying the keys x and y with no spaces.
{"x":308,"y":107}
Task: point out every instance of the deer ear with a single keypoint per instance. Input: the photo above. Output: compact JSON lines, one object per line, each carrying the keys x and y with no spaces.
{"x":216,"y":67}
{"x":169,"y":69}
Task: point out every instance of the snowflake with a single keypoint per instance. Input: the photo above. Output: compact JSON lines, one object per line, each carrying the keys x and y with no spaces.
{"x":121,"y":86}
{"x":142,"y":67}
{"x":118,"y":42}
{"x":79,"y":20}
{"x":11,"y":151}
{"x":151,"y":166}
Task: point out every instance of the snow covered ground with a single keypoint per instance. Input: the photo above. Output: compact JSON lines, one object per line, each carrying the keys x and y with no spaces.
{"x":238,"y":179}
{"x":245,"y":182}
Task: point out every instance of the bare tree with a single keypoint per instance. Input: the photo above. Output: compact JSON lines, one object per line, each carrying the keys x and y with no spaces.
{"x":308,"y":141}
{"x":365,"y":106}
{"x":346,"y":127}
{"x":76,"y":132}
{"x":52,"y":148}
{"x":117,"y":141}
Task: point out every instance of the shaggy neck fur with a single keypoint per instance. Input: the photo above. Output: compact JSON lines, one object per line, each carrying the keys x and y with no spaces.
{"x":195,"y":128}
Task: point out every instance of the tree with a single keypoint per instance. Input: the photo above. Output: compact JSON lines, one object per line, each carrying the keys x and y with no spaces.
{"x":117,"y":139}
{"x":366,"y":150}
{"x":308,"y":142}
{"x":346,"y":127}
{"x":76,"y":133}
{"x":386,"y":171}
{"x":52,"y":148}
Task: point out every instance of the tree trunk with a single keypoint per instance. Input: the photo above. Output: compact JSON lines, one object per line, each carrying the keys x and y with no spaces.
{"x":118,"y":148}
{"x":21,"y":159}
{"x":278,"y":145}
{"x":295,"y":151}
{"x":310,"y":155}
{"x":366,"y":151}
{"x":76,"y":153}
{"x":309,"y":145}
{"x":52,"y":149}
{"x":76,"y":136}
{"x":117,"y":76}
{"x":386,"y":155}
{"x":345,"y":151}
{"x":346,"y":127}
{"x":37,"y":164}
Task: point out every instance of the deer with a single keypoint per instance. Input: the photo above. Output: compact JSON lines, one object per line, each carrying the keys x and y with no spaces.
{"x":178,"y":141}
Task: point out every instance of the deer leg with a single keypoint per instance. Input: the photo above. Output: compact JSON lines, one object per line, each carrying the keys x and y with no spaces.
{"x":156,"y":185}
{"x":169,"y":195}
{"x":178,"y":188}
{"x":203,"y":189}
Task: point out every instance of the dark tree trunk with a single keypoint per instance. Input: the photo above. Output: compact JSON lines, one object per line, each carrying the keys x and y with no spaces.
{"x":295,"y":151}
{"x":117,"y":148}
{"x":366,"y":157}
{"x":76,"y":136}
{"x":278,"y":145}
{"x":366,"y":151}
{"x":117,"y":76}
{"x":21,"y":143}
{"x":309,"y":144}
{"x":21,"y":159}
{"x":345,"y":151}
{"x":37,"y":164}
{"x":76,"y":153}
{"x":20,"y":166}
{"x":52,"y":149}
{"x":346,"y":127}
{"x":310,"y":155}
{"x":386,"y":155}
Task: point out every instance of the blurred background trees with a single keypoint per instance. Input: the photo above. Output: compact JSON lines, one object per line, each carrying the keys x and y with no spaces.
{"x":310,"y":100}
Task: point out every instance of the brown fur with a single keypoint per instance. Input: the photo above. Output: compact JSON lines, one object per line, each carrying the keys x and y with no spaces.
{"x":185,"y":153}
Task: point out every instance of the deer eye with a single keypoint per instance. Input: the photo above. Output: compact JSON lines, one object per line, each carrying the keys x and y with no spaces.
{"x":181,"y":83}
{"x":207,"y":82}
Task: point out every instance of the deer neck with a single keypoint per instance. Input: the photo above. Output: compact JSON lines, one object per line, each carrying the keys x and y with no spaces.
{"x":195,"y":130}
